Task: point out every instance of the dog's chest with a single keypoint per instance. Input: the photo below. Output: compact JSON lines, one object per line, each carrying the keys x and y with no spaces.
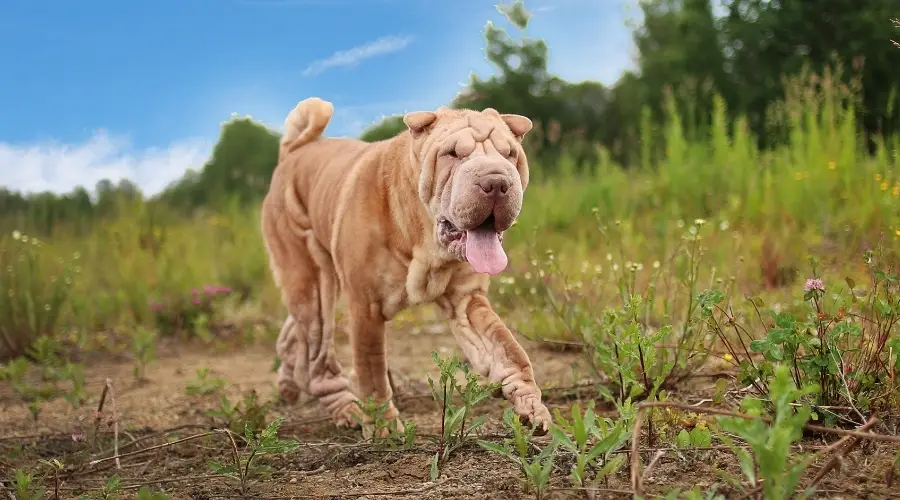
{"x":423,"y":283}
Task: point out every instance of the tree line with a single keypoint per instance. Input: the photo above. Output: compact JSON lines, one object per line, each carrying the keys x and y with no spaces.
{"x":687,"y":59}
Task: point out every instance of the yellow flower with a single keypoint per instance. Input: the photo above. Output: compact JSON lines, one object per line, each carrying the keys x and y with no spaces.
{"x":877,"y":177}
{"x":897,"y":233}
{"x":896,"y":191}
{"x":832,"y":165}
{"x":883,"y":186}
{"x":728,"y":357}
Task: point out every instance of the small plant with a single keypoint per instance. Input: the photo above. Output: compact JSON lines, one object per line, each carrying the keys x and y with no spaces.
{"x":536,"y":466}
{"x":608,"y":438}
{"x":111,"y":490}
{"x":56,"y":467}
{"x":844,"y":346}
{"x":146,"y":494}
{"x":191,"y":312}
{"x":384,"y":431}
{"x":36,"y":289}
{"x":25,"y":487}
{"x":237,"y":416}
{"x":204,"y":385}
{"x":770,"y":465}
{"x":143,"y":348}
{"x":244,"y":468}
{"x":456,"y":424}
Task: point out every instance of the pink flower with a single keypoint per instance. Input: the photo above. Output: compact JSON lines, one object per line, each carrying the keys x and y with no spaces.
{"x":814,"y":284}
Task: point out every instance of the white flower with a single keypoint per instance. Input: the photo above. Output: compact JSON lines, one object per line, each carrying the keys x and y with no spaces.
{"x":16,"y":235}
{"x":655,"y":264}
{"x":723,"y":225}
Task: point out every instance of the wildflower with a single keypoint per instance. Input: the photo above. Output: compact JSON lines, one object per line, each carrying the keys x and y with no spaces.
{"x":896,"y":190}
{"x":723,"y":226}
{"x":693,"y":230}
{"x":897,"y":233}
{"x":878,"y":177}
{"x":699,"y":222}
{"x":615,"y":267}
{"x":16,"y":235}
{"x":814,"y":284}
{"x":655,"y":264}
{"x":883,"y":185}
{"x":609,"y":256}
{"x":728,"y":357}
{"x":832,"y":165}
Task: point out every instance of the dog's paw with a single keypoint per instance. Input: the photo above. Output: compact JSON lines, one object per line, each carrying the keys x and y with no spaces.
{"x":349,"y":416}
{"x":289,"y":391}
{"x":534,"y":414}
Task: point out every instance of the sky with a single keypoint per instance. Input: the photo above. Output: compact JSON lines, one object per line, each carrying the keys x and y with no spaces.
{"x":112,"y":89}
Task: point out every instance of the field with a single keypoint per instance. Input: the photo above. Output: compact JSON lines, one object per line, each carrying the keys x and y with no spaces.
{"x":720,"y":321}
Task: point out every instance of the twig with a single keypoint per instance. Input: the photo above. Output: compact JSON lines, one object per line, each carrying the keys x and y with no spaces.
{"x":115,"y":416}
{"x":152,"y":448}
{"x":835,"y":460}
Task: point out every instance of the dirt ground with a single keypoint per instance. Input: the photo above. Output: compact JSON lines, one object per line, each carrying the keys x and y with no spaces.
{"x":331,"y":462}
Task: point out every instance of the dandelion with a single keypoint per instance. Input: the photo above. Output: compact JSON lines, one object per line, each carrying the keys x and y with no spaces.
{"x":814,"y":284}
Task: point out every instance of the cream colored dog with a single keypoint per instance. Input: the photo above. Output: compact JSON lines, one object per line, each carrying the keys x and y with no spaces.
{"x":417,"y":218}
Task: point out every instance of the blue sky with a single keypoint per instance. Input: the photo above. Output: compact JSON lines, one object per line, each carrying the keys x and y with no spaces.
{"x":109,"y":88}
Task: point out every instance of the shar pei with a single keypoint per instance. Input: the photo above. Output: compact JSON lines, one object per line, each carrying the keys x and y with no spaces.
{"x":413,"y":219}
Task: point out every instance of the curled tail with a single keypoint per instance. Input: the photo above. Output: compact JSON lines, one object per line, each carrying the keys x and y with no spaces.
{"x":305,"y":123}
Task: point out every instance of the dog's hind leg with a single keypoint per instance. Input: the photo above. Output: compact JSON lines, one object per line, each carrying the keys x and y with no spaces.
{"x":305,"y":273}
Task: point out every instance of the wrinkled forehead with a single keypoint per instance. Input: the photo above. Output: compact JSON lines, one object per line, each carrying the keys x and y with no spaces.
{"x":471,"y":131}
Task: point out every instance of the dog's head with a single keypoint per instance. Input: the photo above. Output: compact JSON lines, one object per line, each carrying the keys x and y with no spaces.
{"x":472,"y":175}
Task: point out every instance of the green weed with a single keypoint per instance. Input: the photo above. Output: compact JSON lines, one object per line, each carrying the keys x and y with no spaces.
{"x":457,"y":425}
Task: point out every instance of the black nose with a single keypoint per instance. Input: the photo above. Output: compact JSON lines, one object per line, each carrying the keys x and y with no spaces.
{"x":494,"y":184}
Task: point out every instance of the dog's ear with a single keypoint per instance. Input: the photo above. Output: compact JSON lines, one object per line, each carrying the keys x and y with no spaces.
{"x":419,"y":121}
{"x":518,"y":124}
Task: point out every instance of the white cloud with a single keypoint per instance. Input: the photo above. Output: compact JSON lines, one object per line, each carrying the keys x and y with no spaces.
{"x":60,"y":167}
{"x":352,"y":57}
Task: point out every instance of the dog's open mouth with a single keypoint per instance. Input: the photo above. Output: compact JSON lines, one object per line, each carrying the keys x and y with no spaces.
{"x":483,"y":245}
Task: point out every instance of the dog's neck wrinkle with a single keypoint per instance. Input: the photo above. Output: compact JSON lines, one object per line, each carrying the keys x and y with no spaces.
{"x":402,"y":213}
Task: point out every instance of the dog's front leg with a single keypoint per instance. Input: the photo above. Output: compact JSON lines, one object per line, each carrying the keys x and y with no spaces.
{"x":491,"y":350}
{"x":367,"y":330}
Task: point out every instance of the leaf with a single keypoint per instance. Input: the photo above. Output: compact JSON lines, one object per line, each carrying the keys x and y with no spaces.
{"x":700,"y":437}
{"x":683,"y":440}
{"x":434,"y":472}
{"x":610,"y":467}
{"x":850,"y":282}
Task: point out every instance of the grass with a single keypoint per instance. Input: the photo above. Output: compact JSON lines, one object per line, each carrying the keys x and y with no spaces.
{"x":776,"y":267}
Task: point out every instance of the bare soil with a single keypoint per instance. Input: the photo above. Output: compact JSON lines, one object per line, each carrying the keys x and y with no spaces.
{"x":332,"y":462}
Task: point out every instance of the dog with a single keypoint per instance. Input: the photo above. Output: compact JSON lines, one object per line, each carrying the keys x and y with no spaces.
{"x":414,"y":219}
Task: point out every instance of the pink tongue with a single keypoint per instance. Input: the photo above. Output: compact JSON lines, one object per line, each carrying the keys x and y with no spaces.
{"x":484,"y":252}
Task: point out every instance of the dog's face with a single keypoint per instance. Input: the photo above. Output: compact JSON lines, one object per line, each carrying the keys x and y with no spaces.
{"x":472,"y":176}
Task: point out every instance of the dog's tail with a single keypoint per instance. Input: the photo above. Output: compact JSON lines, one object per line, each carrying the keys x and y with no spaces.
{"x":305,"y":123}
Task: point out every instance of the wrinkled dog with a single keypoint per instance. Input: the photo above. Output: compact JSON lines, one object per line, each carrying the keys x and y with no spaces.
{"x":413,"y":219}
